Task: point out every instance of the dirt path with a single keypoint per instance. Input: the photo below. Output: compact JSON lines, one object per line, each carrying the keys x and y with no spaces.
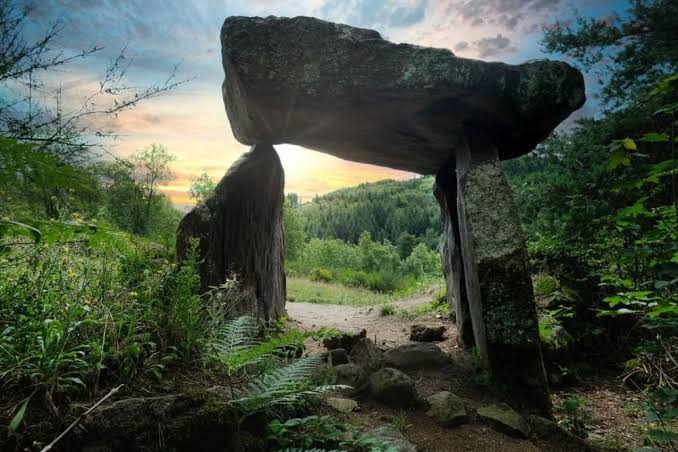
{"x":383,"y":330}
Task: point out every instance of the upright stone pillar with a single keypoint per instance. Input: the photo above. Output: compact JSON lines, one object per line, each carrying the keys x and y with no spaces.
{"x":239,"y":232}
{"x":497,"y":275}
{"x":445,"y":191}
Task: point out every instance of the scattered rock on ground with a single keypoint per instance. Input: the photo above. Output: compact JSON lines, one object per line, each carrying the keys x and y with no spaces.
{"x":427,"y":333}
{"x":549,"y":430}
{"x":504,"y":418}
{"x":367,"y":355}
{"x":338,"y":356}
{"x":415,"y":354}
{"x":345,"y":340}
{"x":351,"y":375}
{"x":342,"y":404}
{"x":447,"y":409}
{"x":393,"y":388}
{"x":392,"y":438}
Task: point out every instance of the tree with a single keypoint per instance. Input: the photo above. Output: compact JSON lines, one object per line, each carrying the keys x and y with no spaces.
{"x":293,"y":198}
{"x":201,"y":187}
{"x":405,"y":243}
{"x":294,"y":232}
{"x":630,"y":54}
{"x":151,"y":167}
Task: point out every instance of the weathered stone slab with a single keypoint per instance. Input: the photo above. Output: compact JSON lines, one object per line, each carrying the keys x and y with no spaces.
{"x":445,"y":191}
{"x":497,"y":275}
{"x":239,"y":231}
{"x":393,"y":388}
{"x":348,"y":92}
{"x":447,"y":409}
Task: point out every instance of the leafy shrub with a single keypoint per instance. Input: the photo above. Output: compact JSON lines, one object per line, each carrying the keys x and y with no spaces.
{"x":545,"y":285}
{"x":321,"y":274}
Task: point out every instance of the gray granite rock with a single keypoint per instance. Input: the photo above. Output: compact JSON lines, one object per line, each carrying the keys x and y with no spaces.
{"x":346,"y":91}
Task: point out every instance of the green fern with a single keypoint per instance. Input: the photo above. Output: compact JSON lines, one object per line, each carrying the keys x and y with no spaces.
{"x":287,"y":385}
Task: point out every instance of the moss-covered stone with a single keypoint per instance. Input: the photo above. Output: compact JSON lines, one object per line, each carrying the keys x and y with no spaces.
{"x":348,"y":92}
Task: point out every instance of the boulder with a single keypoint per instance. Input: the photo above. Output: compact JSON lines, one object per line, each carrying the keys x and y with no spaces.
{"x":447,"y":409}
{"x":347,"y":92}
{"x":198,"y":421}
{"x":353,"y":376}
{"x":427,"y":333}
{"x":367,"y":355}
{"x":392,"y":438}
{"x":238,"y":231}
{"x":504,"y":418}
{"x":416,"y":355}
{"x":341,"y":404}
{"x":345,"y":340}
{"x":337,"y":356}
{"x":393,"y":388}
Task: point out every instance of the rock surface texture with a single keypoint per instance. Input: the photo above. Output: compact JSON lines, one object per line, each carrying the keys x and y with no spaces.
{"x":238,"y":230}
{"x":348,"y":92}
{"x":393,"y":388}
{"x":504,"y":418}
{"x":447,"y":409}
{"x":415,"y":355}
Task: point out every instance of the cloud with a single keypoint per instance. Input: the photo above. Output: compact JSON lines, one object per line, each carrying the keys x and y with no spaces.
{"x":504,"y":13}
{"x":461,"y":46}
{"x":498,"y":45}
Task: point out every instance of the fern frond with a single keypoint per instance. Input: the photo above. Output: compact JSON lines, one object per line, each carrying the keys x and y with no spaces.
{"x":287,"y":385}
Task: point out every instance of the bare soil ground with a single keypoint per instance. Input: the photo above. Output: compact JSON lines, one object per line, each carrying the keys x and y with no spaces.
{"x":609,"y":419}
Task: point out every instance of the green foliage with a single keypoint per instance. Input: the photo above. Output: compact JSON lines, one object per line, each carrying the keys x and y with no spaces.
{"x":575,"y":416}
{"x":320,"y":433}
{"x":293,"y":231}
{"x":320,"y":274}
{"x":201,"y":187}
{"x":660,"y":415}
{"x":88,"y":307}
{"x":369,"y":264}
{"x":545,"y":285}
{"x":639,"y":47}
{"x":386,"y":310}
{"x":388,"y":210}
{"x":286,"y":386}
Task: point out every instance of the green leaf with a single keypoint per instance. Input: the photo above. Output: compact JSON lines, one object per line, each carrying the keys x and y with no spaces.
{"x":19,"y":416}
{"x":662,"y":436}
{"x":617,"y":159}
{"x":654,"y":138}
{"x":629,"y":144}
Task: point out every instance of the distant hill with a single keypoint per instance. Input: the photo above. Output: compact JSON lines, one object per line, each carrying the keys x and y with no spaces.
{"x":388,"y":209}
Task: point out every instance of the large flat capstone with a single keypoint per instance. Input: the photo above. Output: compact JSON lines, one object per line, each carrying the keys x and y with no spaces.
{"x":348,"y":92}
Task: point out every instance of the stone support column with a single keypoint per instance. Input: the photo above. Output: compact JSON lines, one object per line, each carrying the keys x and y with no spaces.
{"x":497,"y":274}
{"x":445,"y":191}
{"x":239,"y":232}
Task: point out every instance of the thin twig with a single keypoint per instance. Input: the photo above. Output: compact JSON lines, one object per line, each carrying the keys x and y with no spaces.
{"x":75,"y":422}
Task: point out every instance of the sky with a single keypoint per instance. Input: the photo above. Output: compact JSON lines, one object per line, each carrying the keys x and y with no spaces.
{"x":191,"y":121}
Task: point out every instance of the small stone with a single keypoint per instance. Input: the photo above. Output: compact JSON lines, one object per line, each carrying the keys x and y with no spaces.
{"x":393,"y":388}
{"x":392,"y":438}
{"x":338,"y":356}
{"x":426,"y":333}
{"x":505,"y":418}
{"x":345,"y":340}
{"x":447,"y":409}
{"x":353,"y":376}
{"x":341,"y":404}
{"x":367,"y":355}
{"x":414,"y":355}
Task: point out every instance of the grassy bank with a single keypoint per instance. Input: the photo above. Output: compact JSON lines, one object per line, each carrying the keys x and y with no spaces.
{"x":305,"y":290}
